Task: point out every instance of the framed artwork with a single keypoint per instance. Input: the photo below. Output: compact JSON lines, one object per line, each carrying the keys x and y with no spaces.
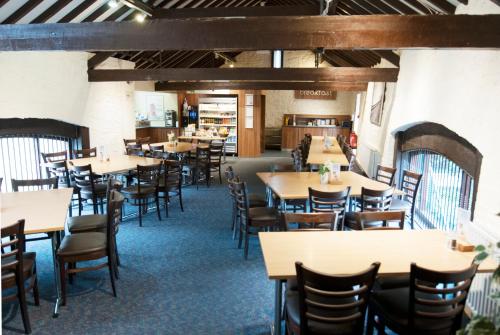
{"x":377,"y":108}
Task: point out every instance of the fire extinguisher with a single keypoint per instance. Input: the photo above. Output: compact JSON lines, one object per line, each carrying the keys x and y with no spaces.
{"x":353,"y":140}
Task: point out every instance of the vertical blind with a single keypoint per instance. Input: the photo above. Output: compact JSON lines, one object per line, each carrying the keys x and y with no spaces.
{"x":20,"y":156}
{"x":444,"y":187}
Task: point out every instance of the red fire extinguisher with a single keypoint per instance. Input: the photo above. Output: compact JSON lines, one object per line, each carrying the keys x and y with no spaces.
{"x":353,"y":140}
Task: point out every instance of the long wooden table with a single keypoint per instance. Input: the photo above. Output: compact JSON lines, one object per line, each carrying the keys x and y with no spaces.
{"x":319,"y":155}
{"x":116,"y":163}
{"x":44,"y":212}
{"x":181,"y":147}
{"x":347,"y":252}
{"x":295,"y":185}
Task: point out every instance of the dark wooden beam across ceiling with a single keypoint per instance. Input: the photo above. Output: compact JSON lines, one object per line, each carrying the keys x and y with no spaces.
{"x":256,"y":85}
{"x":98,"y":59}
{"x":346,"y":74}
{"x":184,"y":13}
{"x":260,"y":33}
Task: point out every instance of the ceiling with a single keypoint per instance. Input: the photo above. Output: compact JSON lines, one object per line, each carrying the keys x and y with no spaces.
{"x":64,"y":11}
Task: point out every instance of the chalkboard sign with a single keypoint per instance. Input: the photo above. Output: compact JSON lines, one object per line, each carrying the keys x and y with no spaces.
{"x":315,"y":94}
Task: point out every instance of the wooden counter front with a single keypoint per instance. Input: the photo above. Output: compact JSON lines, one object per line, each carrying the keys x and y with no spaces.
{"x":292,"y":135}
{"x":157,"y":134}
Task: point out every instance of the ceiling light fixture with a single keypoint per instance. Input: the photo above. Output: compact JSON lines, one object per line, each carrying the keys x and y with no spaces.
{"x":140,"y":17}
{"x":113,"y":3}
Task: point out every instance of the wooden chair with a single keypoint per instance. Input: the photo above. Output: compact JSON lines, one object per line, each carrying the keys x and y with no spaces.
{"x":156,"y":149}
{"x":380,"y":220}
{"x":432,"y":304}
{"x":370,"y":201}
{"x":126,"y":142}
{"x":410,"y":184}
{"x":329,"y":304}
{"x":85,"y":153}
{"x":309,"y":221}
{"x":385,"y":175}
{"x":252,"y":219}
{"x":147,"y":186}
{"x":34,"y":184}
{"x":91,"y":246}
{"x":170,"y":183}
{"x":326,"y":202}
{"x":215,"y":159}
{"x":135,"y":150}
{"x":89,"y":187}
{"x":17,"y":267}
{"x":54,"y":156}
{"x":66,"y":180}
{"x":298,"y":160}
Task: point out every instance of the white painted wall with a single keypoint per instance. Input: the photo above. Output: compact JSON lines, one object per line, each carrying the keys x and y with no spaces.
{"x":284,"y":102}
{"x":459,"y":89}
{"x":54,"y":85}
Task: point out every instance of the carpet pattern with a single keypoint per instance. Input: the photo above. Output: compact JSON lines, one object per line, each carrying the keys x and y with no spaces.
{"x":181,"y":275}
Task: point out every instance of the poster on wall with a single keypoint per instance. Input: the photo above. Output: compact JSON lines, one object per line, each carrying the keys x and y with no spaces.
{"x":378,"y":98}
{"x":316,"y":94}
{"x":154,"y":107}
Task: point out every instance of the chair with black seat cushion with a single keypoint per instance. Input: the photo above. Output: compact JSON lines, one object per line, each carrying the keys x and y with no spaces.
{"x":156,"y":150}
{"x":200,"y":167}
{"x":146,"y":187}
{"x":17,"y":267}
{"x":433,"y":303}
{"x":295,"y":204}
{"x":309,"y":221}
{"x":329,"y":304}
{"x":255,"y":199}
{"x":253,"y":219}
{"x":89,"y":187}
{"x":66,"y":180}
{"x":215,"y":160}
{"x":410,"y":184}
{"x":370,"y":201}
{"x":92,"y":246}
{"x":389,"y":220}
{"x":385,"y":175}
{"x":298,"y":160}
{"x":325,"y":202}
{"x":170,"y":183}
{"x":85,"y":153}
{"x":135,"y":150}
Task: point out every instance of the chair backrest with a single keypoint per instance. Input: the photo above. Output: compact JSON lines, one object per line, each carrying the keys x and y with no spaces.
{"x":35,"y":184}
{"x":135,"y":150}
{"x":126,"y":142}
{"x":410,"y":184}
{"x":114,"y":211}
{"x":84,"y":178}
{"x":157,"y":148}
{"x":216,"y":149}
{"x":60,"y":171}
{"x":229,"y":173}
{"x":437,"y":299}
{"x":172,"y":174}
{"x":380,"y":220}
{"x":334,"y":300}
{"x":12,"y":243}
{"x":324,"y":202}
{"x":298,"y":159}
{"x":385,"y":174}
{"x":112,"y":184}
{"x":143,"y":140}
{"x":148,"y":175}
{"x":241,"y":198}
{"x":308,"y":221}
{"x":202,"y":154}
{"x":85,"y":153}
{"x":54,"y":156}
{"x":205,"y":142}
{"x":375,"y":200}
{"x":283,"y":167}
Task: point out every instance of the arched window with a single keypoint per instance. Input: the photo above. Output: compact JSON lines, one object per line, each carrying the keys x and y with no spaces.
{"x":450,"y":168}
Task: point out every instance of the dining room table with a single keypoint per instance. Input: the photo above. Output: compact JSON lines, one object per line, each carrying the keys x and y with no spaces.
{"x":319,"y":153}
{"x":44,"y":211}
{"x":349,"y":252}
{"x":176,"y":147}
{"x":116,"y":163}
{"x":209,"y":138}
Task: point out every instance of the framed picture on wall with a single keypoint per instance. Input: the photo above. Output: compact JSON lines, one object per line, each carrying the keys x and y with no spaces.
{"x":377,"y":107}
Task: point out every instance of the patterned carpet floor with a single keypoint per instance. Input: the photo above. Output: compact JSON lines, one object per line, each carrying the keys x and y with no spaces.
{"x":181,"y":275}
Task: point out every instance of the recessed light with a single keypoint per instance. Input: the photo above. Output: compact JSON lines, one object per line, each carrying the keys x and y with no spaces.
{"x":140,"y":17}
{"x":231,"y":65}
{"x":113,"y":3}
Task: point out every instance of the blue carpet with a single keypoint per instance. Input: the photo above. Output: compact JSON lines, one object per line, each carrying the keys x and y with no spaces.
{"x":181,"y":275}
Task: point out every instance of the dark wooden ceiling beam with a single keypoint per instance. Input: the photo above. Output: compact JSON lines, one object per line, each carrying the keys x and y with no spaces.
{"x":98,"y":59}
{"x":183,"y":86}
{"x":51,"y":11}
{"x":350,"y":74}
{"x":77,"y":11}
{"x":181,"y":13}
{"x":388,"y":55}
{"x":22,"y":11}
{"x":443,"y":5}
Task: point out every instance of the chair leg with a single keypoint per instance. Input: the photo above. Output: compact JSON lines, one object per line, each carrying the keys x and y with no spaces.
{"x":246,"y":242}
{"x":220,"y":176}
{"x":112,"y":274}
{"x":370,"y":323}
{"x":102,"y":205}
{"x":166,"y":203}
{"x":157,"y":200}
{"x":79,"y":204}
{"x":180,"y":199}
{"x":240,"y":235}
{"x":207,"y":176}
{"x":21,"y":293}
{"x":140,"y":211}
{"x":62,"y":279}
{"x":36,"y":293}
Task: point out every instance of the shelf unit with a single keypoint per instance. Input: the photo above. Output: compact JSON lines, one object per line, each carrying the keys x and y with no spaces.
{"x":220,"y":112}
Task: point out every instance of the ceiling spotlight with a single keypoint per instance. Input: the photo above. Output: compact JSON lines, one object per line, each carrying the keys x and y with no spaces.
{"x":140,"y":18}
{"x":113,"y":3}
{"x":231,"y":65}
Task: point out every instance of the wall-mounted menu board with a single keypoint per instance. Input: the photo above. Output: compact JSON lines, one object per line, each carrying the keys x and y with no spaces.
{"x":315,"y":94}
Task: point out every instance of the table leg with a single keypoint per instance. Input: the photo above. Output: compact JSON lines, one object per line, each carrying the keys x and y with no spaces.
{"x":278,"y":297}
{"x":224,"y":152}
{"x":55,"y":238}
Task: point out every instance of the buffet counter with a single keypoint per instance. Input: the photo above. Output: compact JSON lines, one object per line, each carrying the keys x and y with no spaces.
{"x":157,"y":134}
{"x":292,"y":135}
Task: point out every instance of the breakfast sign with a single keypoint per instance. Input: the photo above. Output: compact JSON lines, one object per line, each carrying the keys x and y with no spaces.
{"x":315,"y":94}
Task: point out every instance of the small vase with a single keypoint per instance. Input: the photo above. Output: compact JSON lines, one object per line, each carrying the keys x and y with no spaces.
{"x":323,"y":178}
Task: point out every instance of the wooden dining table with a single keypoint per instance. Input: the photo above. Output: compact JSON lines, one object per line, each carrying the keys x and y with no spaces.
{"x":44,"y":211}
{"x":348,"y":252}
{"x":115,"y":164}
{"x":318,"y":154}
{"x":177,"y":148}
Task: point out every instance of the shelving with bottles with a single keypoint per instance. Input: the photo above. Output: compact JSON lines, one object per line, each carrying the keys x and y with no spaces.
{"x":220,"y":113}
